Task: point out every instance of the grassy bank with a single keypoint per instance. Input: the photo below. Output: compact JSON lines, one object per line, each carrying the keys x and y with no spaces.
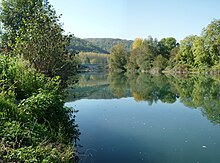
{"x":35,"y":126}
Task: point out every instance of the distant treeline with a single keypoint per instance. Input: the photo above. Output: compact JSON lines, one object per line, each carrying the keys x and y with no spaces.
{"x":97,"y":45}
{"x":193,"y":53}
{"x":108,"y":43}
{"x":81,"y":45}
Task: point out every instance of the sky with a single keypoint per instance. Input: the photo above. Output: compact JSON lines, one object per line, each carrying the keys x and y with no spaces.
{"x":130,"y":19}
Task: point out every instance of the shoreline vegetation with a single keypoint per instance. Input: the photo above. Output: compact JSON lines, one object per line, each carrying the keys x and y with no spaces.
{"x":37,"y":58}
{"x":35,"y":125}
{"x":194,"y":54}
{"x":34,"y":65}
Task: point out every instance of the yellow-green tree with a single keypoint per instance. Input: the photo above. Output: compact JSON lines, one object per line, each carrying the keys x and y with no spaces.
{"x":118,"y":58}
{"x":136,"y":43}
{"x":142,"y":54}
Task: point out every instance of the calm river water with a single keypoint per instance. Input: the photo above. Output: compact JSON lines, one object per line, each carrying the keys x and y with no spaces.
{"x":149,"y":119}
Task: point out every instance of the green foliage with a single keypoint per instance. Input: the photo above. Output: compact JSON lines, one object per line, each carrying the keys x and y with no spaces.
{"x":33,"y":31}
{"x":107,"y":43}
{"x":173,"y":53}
{"x":44,"y":152}
{"x":142,"y":54}
{"x":160,"y":62}
{"x":185,"y":54}
{"x":35,"y":125}
{"x":118,"y":58}
{"x":83,"y":45}
{"x":165,"y":45}
{"x":211,"y":36}
{"x":201,"y":57}
{"x":147,"y":54}
{"x":193,"y":54}
{"x":201,"y":52}
{"x":14,"y":15}
{"x":15,"y":75}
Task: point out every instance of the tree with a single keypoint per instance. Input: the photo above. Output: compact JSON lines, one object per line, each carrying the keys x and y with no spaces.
{"x":165,"y":45}
{"x":201,"y":57}
{"x":211,"y":35}
{"x":136,"y":43}
{"x":132,"y":65}
{"x":142,"y":54}
{"x":15,"y":13}
{"x":146,"y":54}
{"x":118,"y":58}
{"x":185,"y":54}
{"x":37,"y":36}
{"x":174,"y":52}
{"x":160,"y":62}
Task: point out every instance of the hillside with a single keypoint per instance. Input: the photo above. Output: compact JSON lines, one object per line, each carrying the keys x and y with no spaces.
{"x":81,"y":45}
{"x":107,"y":43}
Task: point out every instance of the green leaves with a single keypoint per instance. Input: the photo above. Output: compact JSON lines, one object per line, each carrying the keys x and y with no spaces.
{"x":185,"y":55}
{"x":33,"y":32}
{"x":35,"y":126}
{"x":165,"y":45}
{"x":211,"y":36}
{"x":202,"y":52}
{"x":142,"y":54}
{"x":118,"y":58}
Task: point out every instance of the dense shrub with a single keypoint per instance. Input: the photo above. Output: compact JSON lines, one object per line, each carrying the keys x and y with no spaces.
{"x":35,"y":126}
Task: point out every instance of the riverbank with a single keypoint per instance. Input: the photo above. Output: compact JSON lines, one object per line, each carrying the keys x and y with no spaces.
{"x":35,"y":125}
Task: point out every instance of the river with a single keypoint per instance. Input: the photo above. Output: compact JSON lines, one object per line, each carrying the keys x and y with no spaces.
{"x":145,"y":118}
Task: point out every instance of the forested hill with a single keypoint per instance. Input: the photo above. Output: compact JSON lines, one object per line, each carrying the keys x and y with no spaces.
{"x":107,"y":43}
{"x":81,"y":45}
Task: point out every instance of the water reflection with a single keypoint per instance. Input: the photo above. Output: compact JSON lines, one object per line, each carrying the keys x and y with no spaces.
{"x":196,"y":92}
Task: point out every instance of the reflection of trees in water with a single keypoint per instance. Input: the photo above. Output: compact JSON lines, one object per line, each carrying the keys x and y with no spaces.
{"x":201,"y":92}
{"x":150,"y":88}
{"x":193,"y":91}
{"x":118,"y":84}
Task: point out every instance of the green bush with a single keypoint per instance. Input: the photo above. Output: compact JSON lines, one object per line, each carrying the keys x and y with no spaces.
{"x":16,"y":73}
{"x":35,"y":126}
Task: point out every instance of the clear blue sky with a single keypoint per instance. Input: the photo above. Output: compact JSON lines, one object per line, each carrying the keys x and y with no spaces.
{"x":129,"y":19}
